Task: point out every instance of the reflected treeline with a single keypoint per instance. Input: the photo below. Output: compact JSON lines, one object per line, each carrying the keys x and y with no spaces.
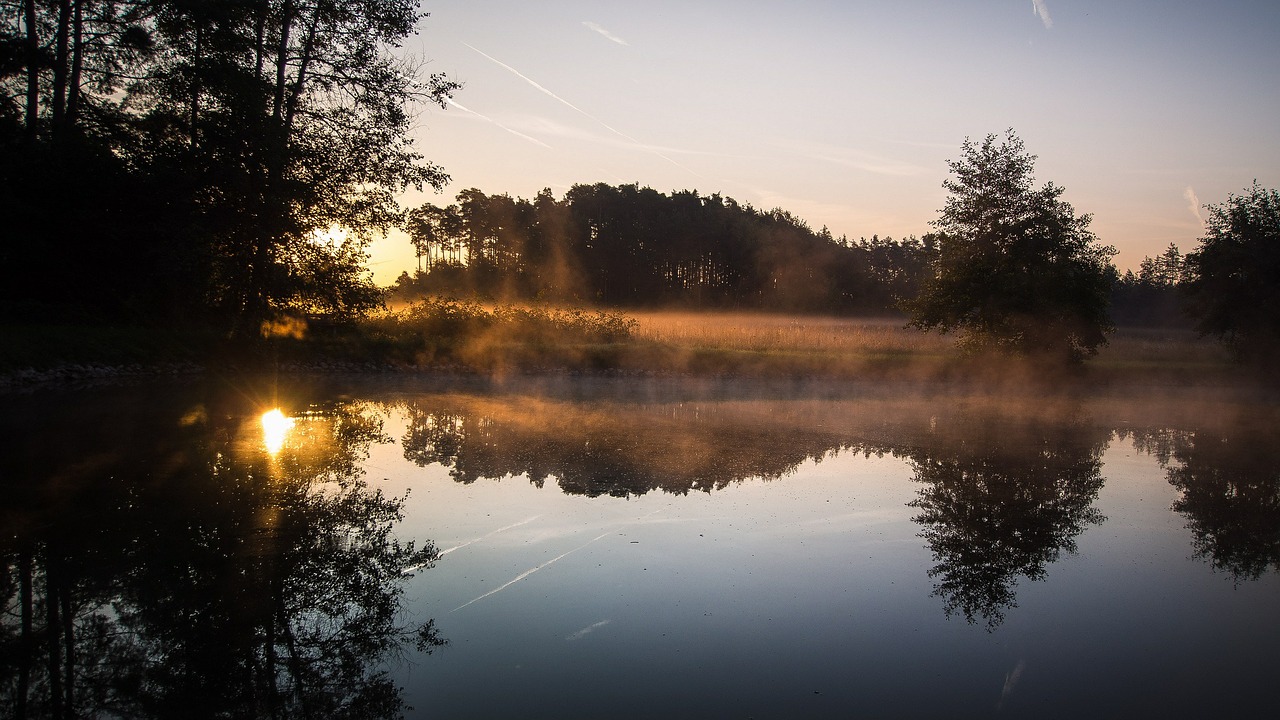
{"x":1004,"y":496}
{"x":619,"y":449}
{"x":1003,"y":499}
{"x":165,"y":564}
{"x":1229,"y":479}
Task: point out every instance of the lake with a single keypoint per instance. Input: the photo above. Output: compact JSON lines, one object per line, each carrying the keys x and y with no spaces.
{"x":597,"y":547}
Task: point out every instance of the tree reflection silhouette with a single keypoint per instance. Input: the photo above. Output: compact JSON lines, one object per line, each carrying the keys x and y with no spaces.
{"x":157,"y":571}
{"x":1001,"y":501}
{"x":623,"y":450}
{"x":1005,"y":493}
{"x":1229,"y":479}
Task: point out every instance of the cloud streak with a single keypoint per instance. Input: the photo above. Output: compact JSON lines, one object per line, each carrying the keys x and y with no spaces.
{"x":538,"y":86}
{"x":1042,"y":11}
{"x":1193,"y":203}
{"x":604,"y":33}
{"x":488,"y":119}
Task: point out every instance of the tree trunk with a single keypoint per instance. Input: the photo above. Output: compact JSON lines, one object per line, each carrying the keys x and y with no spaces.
{"x":24,"y":647}
{"x":33,"y":68}
{"x":61,"y":66}
{"x":51,"y":634}
{"x":282,"y":60}
{"x":195,"y":89}
{"x":77,"y":62}
{"x":69,"y":649}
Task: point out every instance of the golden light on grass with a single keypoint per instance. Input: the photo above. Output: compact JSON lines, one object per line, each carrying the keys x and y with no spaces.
{"x":275,"y":429}
{"x":763,"y":333}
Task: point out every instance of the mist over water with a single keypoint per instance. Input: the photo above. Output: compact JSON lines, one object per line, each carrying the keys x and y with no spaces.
{"x":600,"y":547}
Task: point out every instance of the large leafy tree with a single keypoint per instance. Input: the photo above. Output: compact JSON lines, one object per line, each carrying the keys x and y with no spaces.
{"x":1234,"y":275}
{"x":294,"y":117}
{"x":199,"y":145}
{"x":1016,"y":269}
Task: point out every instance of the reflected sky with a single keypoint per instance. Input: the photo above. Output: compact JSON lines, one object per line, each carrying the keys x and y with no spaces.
{"x":640,"y":549}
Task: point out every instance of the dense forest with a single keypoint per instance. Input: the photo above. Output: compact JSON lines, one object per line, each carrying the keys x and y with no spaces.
{"x":631,"y":245}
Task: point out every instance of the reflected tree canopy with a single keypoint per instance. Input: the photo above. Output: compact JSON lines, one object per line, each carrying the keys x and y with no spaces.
{"x":619,"y":450}
{"x":160,"y":557}
{"x":1000,"y":502}
{"x":1229,"y":480}
{"x":1004,"y":495}
{"x":172,"y":566}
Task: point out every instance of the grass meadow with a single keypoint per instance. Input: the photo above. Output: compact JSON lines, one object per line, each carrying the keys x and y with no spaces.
{"x":465,"y":336}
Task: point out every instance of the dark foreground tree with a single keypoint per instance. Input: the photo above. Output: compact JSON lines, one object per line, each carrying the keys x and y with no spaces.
{"x":1016,"y":269}
{"x":166,"y":158}
{"x":1234,"y":286}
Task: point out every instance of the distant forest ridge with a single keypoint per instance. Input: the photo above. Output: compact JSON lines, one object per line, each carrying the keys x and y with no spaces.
{"x":632,"y":245}
{"x":628,"y":245}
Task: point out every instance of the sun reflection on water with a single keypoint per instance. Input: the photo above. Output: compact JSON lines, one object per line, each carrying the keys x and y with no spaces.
{"x":275,"y":429}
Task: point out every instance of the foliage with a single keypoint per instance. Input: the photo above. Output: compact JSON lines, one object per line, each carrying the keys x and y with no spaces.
{"x":183,"y":156}
{"x":627,"y":245}
{"x":1234,"y":286}
{"x":445,"y":330}
{"x":1153,"y":296}
{"x":1016,"y":269}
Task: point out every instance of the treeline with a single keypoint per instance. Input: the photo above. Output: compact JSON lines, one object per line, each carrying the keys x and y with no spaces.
{"x":633,"y":246}
{"x":1155,"y":295}
{"x":166,"y":161}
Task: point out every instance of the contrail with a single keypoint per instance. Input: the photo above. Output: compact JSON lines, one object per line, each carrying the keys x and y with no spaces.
{"x":488,"y":535}
{"x":587,"y":630}
{"x":550,"y":94}
{"x":486,"y":118}
{"x":605,"y":33}
{"x":531,"y":571}
{"x":579,"y":110}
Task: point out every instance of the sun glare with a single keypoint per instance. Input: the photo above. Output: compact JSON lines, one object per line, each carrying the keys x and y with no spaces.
{"x":275,"y":428}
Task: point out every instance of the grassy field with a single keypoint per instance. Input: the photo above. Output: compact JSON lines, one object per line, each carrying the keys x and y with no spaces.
{"x":885,"y":348}
{"x":471,"y":337}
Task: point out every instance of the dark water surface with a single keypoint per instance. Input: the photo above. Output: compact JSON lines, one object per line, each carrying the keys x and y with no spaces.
{"x":621,"y":548}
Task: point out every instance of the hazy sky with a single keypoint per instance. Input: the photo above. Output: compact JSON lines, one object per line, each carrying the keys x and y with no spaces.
{"x":846,"y":112}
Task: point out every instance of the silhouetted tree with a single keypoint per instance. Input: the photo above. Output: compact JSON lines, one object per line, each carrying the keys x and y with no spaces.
{"x":183,"y":155}
{"x":1234,"y":274}
{"x":1152,"y":297}
{"x":1016,"y":269}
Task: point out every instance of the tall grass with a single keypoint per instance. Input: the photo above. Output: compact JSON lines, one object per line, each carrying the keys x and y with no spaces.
{"x":763,"y":333}
{"x":448,"y":331}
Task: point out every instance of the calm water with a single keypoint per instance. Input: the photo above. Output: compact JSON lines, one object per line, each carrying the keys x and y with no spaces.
{"x":609,"y":548}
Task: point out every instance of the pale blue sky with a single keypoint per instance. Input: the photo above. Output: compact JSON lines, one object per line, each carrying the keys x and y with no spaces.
{"x":845,"y":113}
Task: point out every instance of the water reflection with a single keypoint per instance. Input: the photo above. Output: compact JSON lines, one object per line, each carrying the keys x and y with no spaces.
{"x":178,"y":551}
{"x":160,"y":566}
{"x":275,"y":428}
{"x":1006,"y":491}
{"x":1002,"y":500}
{"x":1228,"y":475}
{"x":619,"y":449}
